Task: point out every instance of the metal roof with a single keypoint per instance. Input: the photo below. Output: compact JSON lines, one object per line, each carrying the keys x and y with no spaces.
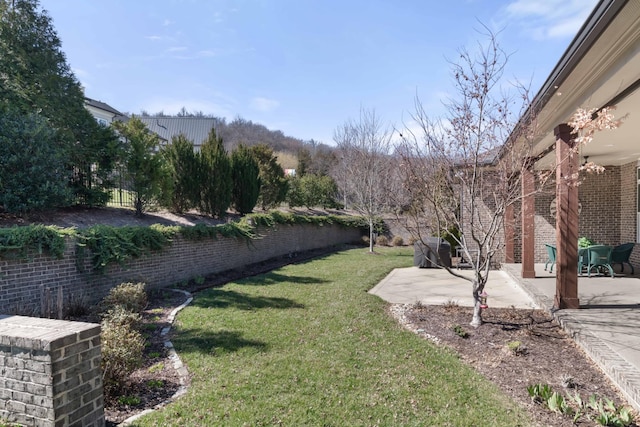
{"x":195,"y":129}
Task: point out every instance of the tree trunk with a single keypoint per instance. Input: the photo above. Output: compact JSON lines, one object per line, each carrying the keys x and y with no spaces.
{"x":476,"y":320}
{"x":371,"y":235}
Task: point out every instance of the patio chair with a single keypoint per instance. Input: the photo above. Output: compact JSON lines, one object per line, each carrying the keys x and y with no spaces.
{"x":551,"y":254}
{"x":620,"y":254}
{"x":583,"y":259}
{"x":599,"y":258}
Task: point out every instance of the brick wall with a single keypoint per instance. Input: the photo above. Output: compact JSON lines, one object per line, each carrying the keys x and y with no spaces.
{"x":600,"y":198}
{"x":51,"y":372}
{"x":628,"y":208}
{"x":25,"y":284}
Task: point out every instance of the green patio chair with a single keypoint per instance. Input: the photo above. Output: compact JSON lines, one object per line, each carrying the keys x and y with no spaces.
{"x":599,"y":258}
{"x":551,"y":254}
{"x":620,"y":254}
{"x":583,"y":259}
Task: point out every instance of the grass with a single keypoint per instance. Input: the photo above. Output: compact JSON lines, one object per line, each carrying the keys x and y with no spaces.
{"x":305,"y":345}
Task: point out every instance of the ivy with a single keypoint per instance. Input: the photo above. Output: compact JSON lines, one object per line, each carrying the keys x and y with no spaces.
{"x":119,"y":244}
{"x":22,"y":242}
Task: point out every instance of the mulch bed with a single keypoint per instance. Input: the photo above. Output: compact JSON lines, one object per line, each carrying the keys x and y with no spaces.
{"x":541,"y":353}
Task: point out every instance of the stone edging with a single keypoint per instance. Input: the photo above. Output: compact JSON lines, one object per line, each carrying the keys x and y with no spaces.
{"x":183,"y":373}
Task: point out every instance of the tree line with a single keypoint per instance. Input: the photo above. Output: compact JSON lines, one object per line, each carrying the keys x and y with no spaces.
{"x":53,"y":153}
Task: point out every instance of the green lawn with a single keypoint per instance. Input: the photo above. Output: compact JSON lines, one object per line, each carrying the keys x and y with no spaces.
{"x":305,"y":345}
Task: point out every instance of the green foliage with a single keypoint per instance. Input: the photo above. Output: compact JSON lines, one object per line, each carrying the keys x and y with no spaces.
{"x":130,"y":296}
{"x":312,"y":190}
{"x":584,"y":242}
{"x":274,"y":185}
{"x":452,"y":236}
{"x":233,"y":229}
{"x":459,"y":331}
{"x":93,"y":163}
{"x":21,"y":242}
{"x":517,"y":348}
{"x":245,"y":174}
{"x":145,"y":167}
{"x":32,"y":167}
{"x":35,"y":77}
{"x":604,"y":412}
{"x":119,"y":244}
{"x":155,"y":384}
{"x":129,"y":400}
{"x":156,"y":367}
{"x":215,"y":178}
{"x":184,"y":176}
{"x":540,"y":392}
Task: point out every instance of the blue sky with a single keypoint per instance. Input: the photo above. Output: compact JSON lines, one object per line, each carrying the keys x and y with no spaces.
{"x":301,"y":66}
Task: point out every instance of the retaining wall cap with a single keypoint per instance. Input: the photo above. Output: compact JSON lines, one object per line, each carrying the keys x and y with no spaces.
{"x":41,"y":329}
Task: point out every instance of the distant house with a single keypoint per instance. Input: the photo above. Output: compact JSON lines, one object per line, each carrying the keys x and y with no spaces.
{"x":103,"y":113}
{"x":195,"y":129}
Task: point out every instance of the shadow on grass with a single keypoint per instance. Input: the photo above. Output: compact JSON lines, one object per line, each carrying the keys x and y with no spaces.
{"x":209,"y":342}
{"x":273,"y":278}
{"x":221,"y":298}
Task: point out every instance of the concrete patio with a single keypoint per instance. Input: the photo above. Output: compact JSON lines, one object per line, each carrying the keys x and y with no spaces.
{"x":607,"y":326}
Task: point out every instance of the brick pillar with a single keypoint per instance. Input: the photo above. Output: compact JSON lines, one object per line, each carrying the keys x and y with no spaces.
{"x":528,"y":227}
{"x":566,"y":220}
{"x":509,"y":235}
{"x":51,"y":374}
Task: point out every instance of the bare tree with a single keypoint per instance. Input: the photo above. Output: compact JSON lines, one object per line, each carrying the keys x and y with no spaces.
{"x":465,"y":171}
{"x":363,"y":166}
{"x":456,"y":170}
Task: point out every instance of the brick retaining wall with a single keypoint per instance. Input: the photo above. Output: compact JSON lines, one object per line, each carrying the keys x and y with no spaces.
{"x":28,"y":286}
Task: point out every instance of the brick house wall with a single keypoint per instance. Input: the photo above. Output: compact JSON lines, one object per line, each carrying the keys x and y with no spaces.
{"x":600,"y":198}
{"x":608,"y":214}
{"x":24,"y":285}
{"x":629,"y":208}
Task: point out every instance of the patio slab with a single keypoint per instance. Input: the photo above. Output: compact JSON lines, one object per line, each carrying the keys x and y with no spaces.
{"x":434,"y":286}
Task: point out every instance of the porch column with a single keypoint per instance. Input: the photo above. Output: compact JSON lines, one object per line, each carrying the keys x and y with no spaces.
{"x":528,"y":227}
{"x":566,"y":220}
{"x":509,"y":235}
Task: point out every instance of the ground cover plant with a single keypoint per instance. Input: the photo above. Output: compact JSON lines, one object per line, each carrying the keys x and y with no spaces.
{"x":306,"y":345}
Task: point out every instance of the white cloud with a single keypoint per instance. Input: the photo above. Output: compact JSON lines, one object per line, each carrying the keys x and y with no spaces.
{"x":264,"y":104}
{"x":177,"y":49}
{"x":548,"y":19}
{"x":154,"y":38}
{"x":167,"y":22}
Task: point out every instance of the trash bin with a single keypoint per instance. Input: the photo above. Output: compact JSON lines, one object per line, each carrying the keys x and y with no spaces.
{"x":424,"y":255}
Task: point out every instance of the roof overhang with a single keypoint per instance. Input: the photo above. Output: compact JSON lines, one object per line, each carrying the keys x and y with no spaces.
{"x":601,"y":67}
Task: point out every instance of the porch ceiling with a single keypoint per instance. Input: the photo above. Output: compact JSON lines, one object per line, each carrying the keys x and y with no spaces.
{"x":608,"y":71}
